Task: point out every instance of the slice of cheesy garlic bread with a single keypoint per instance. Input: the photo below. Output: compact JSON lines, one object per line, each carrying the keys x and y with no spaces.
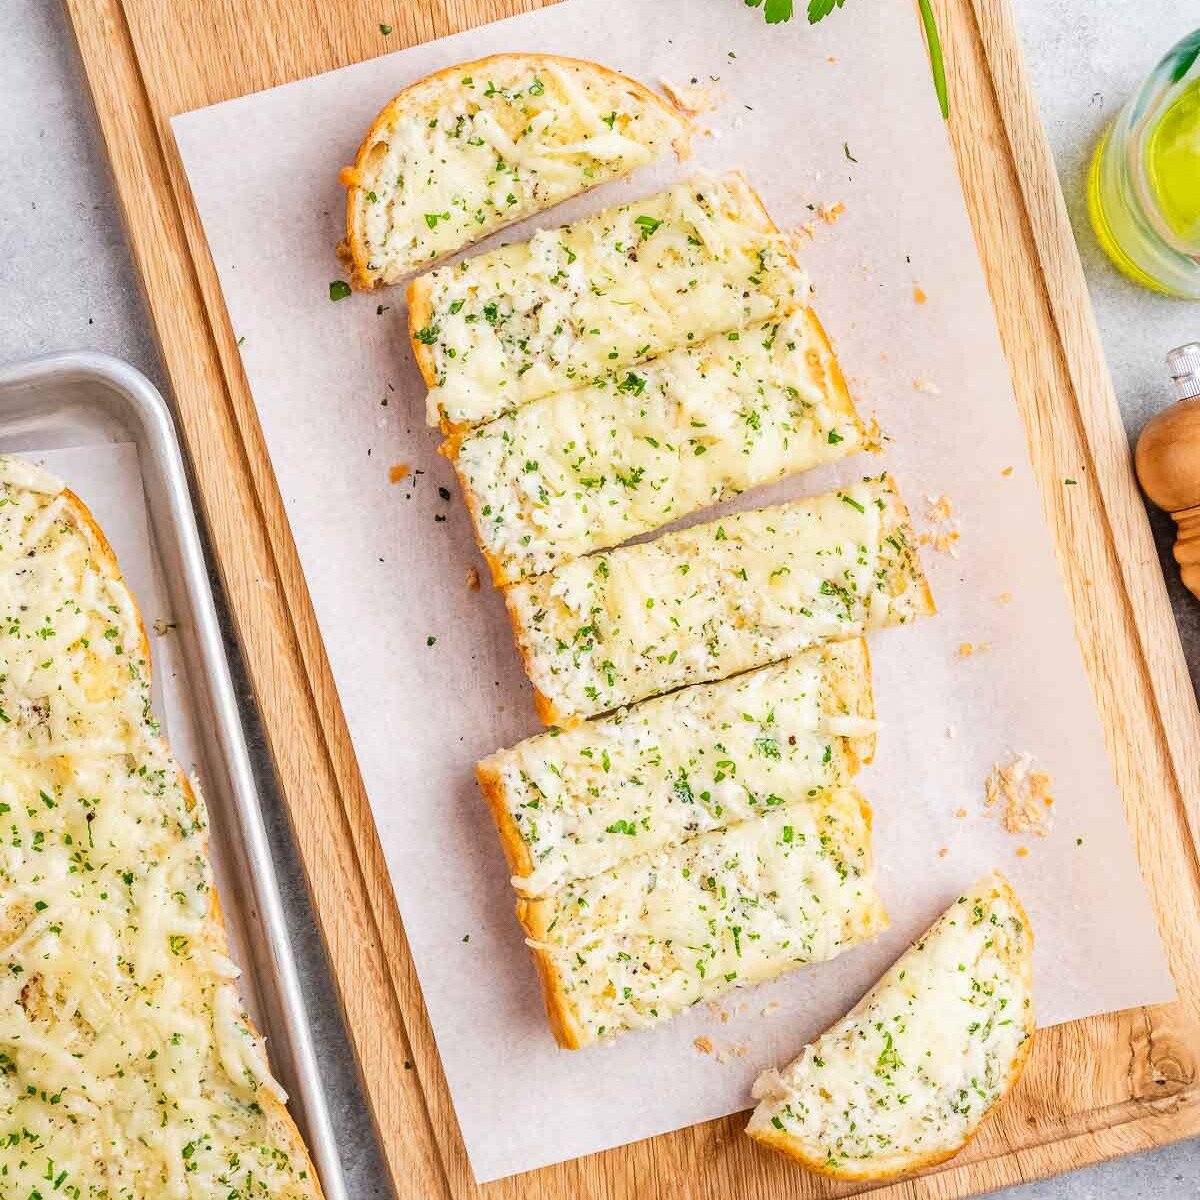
{"x":575,"y":803}
{"x":75,"y":671}
{"x":573,"y":304}
{"x":128,"y":1066}
{"x":716,"y":599}
{"x":635,"y":449}
{"x":639,"y":944}
{"x":473,"y":148}
{"x":904,"y":1080}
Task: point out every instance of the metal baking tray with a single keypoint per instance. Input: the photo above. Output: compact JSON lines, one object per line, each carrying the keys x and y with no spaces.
{"x":85,"y":399}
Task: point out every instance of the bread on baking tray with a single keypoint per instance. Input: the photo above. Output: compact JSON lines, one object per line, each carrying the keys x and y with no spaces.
{"x":716,"y":599}
{"x":636,"y":945}
{"x":904,"y":1080}
{"x":633,"y":450}
{"x":627,"y":284}
{"x":127,"y":1062}
{"x":473,"y":148}
{"x":578,"y":802}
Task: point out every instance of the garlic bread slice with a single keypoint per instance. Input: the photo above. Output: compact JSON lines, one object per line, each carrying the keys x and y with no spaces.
{"x":634,"y":946}
{"x":716,"y":599}
{"x":574,"y":803}
{"x":494,"y":332}
{"x":128,"y":1064}
{"x":634,"y":450}
{"x":474,"y":147}
{"x":74,"y":658}
{"x":904,"y":1080}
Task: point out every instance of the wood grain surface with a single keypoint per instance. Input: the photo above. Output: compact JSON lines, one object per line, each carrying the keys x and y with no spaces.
{"x":1094,"y":1089}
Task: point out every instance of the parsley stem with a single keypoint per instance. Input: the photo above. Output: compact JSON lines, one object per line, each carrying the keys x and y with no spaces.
{"x":936,"y":62}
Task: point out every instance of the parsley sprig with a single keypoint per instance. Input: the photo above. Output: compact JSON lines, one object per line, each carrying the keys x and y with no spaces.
{"x":778,"y":11}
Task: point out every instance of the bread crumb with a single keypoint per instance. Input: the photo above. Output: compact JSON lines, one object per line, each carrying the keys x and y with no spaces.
{"x":1022,"y":794}
{"x":960,"y":812}
{"x":832,"y":58}
{"x":770,"y":1009}
{"x":873,"y":436}
{"x":1005,"y":597}
{"x":723,"y":1056}
{"x":944,"y":538}
{"x":1007,"y":472}
{"x":941,"y":508}
{"x":715,"y":1008}
{"x":694,"y":99}
{"x":921,"y":384}
{"x":1022,"y":851}
{"x":919,"y":296}
{"x":397,"y":472}
{"x":965,"y":649}
{"x":473,"y":578}
{"x":703,"y":1044}
{"x":944,"y":852}
{"x":829,"y":213}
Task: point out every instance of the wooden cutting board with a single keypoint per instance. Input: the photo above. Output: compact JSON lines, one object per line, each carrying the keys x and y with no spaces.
{"x":1094,"y":1089}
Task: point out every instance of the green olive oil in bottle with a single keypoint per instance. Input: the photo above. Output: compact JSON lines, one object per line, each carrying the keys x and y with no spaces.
{"x":1144,"y":185}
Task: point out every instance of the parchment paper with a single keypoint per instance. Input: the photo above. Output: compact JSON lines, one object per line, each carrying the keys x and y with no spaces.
{"x":426,"y":669}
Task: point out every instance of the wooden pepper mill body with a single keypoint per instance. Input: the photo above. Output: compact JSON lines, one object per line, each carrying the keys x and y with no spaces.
{"x":1168,"y":462}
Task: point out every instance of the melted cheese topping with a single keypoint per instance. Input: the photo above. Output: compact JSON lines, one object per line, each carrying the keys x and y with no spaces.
{"x":637,"y":945}
{"x":634,"y":450}
{"x":601,"y":295}
{"x":585,"y":800}
{"x":127,"y":1065}
{"x":918,"y":1063}
{"x":462,"y":157}
{"x":717,"y":599}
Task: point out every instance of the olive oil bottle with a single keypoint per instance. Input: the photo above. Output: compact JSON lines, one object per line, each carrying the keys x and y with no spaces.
{"x":1144,"y":184}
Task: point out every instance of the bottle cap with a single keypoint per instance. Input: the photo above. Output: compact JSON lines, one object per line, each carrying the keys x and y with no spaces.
{"x":1184,"y":365}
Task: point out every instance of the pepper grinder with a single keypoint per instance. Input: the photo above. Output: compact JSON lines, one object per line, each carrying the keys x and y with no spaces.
{"x":1168,"y":461}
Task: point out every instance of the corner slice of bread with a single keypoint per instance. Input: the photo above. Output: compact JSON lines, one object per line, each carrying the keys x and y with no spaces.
{"x":628,"y":284}
{"x":717,"y":599}
{"x":477,"y":146}
{"x":634,"y":450}
{"x":904,"y":1080}
{"x":637,"y":945}
{"x":579,"y":802}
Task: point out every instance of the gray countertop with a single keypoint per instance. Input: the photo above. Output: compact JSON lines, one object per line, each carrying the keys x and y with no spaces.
{"x":68,"y":283}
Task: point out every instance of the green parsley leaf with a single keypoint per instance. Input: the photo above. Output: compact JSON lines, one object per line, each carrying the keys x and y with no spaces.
{"x":385,"y":29}
{"x":647,"y":225}
{"x":339,"y":289}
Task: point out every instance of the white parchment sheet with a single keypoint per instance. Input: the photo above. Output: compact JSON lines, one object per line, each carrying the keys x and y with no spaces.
{"x":426,"y":668}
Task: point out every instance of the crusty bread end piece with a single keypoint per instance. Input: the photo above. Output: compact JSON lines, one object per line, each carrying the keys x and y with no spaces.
{"x":905,"y":1079}
{"x":477,"y":146}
